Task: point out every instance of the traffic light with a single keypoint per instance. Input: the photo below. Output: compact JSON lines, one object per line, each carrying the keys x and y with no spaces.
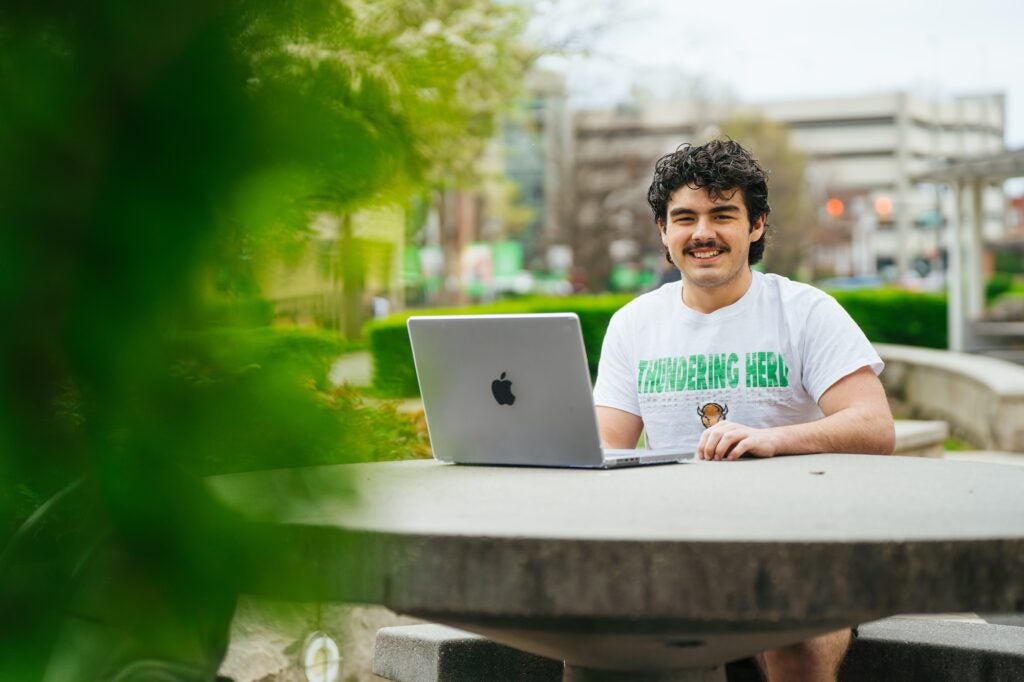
{"x":835,"y":207}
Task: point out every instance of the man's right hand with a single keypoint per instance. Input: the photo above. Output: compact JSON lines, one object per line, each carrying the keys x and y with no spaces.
{"x":729,"y":440}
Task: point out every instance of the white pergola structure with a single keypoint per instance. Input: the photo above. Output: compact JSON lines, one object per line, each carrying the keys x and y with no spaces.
{"x":968,"y":179}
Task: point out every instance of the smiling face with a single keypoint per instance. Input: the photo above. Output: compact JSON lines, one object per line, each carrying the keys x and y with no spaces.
{"x":709,"y":240}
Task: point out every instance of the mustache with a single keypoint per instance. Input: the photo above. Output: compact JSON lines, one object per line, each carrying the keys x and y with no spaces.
{"x":710,"y":244}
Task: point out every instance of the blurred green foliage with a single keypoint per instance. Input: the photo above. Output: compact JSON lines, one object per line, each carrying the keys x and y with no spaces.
{"x":154,"y":155}
{"x":885,"y":315}
{"x":999,"y":284}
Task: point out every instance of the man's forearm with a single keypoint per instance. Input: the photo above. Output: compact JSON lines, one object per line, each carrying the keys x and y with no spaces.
{"x":857,"y":419}
{"x":853,"y":430}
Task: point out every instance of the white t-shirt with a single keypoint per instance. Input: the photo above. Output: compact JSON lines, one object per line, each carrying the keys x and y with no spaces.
{"x":763,"y":361}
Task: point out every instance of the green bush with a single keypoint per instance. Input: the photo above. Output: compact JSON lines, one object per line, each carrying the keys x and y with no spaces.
{"x":395,"y":375}
{"x":310,"y":352}
{"x":885,"y":315}
{"x":898,"y":316}
{"x":253,"y":312}
{"x":393,"y":371}
{"x":1001,"y":283}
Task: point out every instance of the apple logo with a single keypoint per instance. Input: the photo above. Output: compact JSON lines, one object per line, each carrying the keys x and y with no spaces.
{"x":502,"y":390}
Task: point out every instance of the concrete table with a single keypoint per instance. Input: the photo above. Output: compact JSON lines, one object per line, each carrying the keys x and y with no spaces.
{"x":665,"y":571}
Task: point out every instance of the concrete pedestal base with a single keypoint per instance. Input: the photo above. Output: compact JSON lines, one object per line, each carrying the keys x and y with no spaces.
{"x":574,"y":674}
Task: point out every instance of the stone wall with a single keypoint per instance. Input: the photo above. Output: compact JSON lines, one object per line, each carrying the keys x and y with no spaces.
{"x":981,"y":398}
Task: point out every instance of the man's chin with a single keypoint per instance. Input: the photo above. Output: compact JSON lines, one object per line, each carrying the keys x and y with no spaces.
{"x":705,"y":279}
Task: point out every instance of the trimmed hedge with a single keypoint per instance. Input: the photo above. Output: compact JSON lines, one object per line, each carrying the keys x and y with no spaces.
{"x":898,"y":316}
{"x":395,"y":375}
{"x":885,"y":315}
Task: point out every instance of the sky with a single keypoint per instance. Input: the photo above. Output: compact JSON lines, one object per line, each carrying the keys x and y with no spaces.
{"x":763,"y":50}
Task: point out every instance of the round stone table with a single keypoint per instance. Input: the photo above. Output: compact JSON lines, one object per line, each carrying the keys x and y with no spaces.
{"x":658,"y":570}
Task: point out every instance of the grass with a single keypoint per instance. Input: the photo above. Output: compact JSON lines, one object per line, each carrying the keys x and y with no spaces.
{"x":952,"y":444}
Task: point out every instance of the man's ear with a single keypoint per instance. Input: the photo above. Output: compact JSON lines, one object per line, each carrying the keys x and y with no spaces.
{"x":661,"y":230}
{"x":757,"y":229}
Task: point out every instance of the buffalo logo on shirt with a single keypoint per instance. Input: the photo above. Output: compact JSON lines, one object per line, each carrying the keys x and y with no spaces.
{"x":712,"y":413}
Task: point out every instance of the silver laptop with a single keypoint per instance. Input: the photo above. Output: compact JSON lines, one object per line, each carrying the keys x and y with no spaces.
{"x":513,"y":389}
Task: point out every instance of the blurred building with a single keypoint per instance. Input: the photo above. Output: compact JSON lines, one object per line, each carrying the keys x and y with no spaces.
{"x":1015,"y":218}
{"x":865,"y":152}
{"x":493,"y":237}
{"x":538,"y":158}
{"x":333,"y":279}
{"x":862,"y":151}
{"x":615,"y":153}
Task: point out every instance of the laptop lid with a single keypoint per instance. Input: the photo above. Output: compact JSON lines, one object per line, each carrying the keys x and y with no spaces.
{"x":506,"y":389}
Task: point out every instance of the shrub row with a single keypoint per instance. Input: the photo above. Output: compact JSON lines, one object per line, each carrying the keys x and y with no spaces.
{"x":885,"y":315}
{"x":393,"y":370}
{"x":898,"y":316}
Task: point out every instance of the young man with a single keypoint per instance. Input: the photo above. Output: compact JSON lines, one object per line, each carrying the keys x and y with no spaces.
{"x":732,"y":362}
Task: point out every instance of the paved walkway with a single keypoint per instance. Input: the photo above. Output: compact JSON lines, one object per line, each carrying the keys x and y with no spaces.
{"x":356,"y":369}
{"x":353,"y":368}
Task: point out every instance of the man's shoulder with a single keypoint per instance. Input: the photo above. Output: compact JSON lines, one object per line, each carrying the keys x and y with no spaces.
{"x":789,"y":292}
{"x":655,"y":300}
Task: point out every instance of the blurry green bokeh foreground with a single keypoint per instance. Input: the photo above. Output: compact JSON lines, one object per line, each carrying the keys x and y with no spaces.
{"x":153,"y":154}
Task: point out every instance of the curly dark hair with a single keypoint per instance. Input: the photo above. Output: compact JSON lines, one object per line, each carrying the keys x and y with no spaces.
{"x":719,"y":167}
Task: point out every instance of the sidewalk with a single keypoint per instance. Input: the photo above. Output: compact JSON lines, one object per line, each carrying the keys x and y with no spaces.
{"x":356,"y":369}
{"x":353,"y":368}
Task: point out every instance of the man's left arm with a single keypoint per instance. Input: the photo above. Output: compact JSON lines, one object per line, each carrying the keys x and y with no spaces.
{"x":857,"y":420}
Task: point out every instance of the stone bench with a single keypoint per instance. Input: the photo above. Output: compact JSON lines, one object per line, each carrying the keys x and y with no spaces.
{"x":981,"y":398}
{"x":436,"y":653}
{"x":894,"y":649}
{"x":910,"y":649}
{"x":919,"y":438}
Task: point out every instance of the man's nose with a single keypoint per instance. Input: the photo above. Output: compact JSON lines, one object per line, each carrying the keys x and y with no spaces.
{"x":702,"y":229}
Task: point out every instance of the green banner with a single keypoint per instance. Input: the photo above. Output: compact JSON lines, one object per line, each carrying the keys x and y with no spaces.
{"x":508,"y":259}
